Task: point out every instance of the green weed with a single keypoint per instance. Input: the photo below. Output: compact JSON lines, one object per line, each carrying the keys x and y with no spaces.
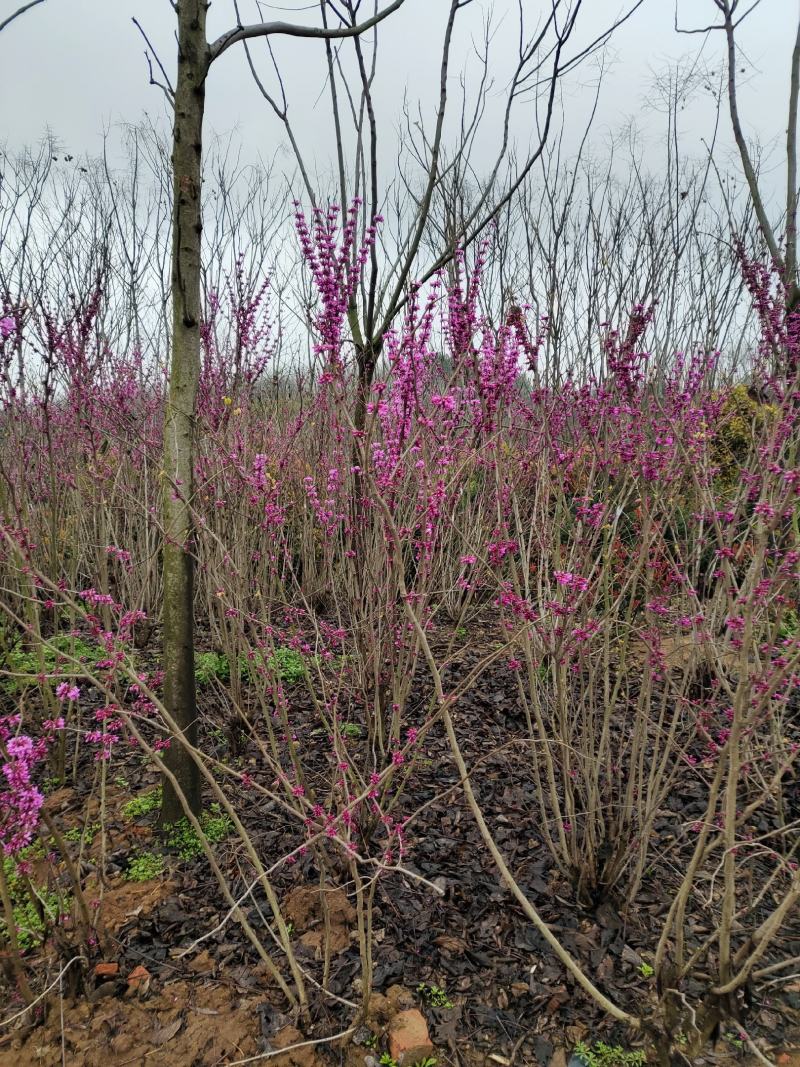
{"x":183,"y":838}
{"x":434,"y":995}
{"x":790,"y":625}
{"x":286,"y":662}
{"x":145,"y":867}
{"x":602,"y":1055}
{"x":85,"y":834}
{"x":387,"y":1061}
{"x":211,"y":665}
{"x":735,"y":1039}
{"x":143,"y":804}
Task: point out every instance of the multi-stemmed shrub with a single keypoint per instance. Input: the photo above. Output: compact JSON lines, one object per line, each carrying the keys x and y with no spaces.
{"x":632,"y":539}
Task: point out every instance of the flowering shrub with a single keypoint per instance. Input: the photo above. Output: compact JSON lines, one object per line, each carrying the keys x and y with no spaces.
{"x":630,"y":540}
{"x":21,"y":800}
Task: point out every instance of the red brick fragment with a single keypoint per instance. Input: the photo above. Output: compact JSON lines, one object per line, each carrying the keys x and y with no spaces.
{"x":409,"y":1041}
{"x":139,"y":981}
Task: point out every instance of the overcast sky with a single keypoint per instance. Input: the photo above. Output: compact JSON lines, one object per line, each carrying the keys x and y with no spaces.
{"x":77,"y":67}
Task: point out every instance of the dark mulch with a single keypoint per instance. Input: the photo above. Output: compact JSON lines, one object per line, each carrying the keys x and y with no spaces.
{"x":510,"y":997}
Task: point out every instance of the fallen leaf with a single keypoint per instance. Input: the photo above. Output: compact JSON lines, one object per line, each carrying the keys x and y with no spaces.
{"x":162,"y":1034}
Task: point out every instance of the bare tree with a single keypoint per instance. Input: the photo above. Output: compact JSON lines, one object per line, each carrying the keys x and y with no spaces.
{"x":433,"y":176}
{"x":195,"y":56}
{"x":784,"y":258}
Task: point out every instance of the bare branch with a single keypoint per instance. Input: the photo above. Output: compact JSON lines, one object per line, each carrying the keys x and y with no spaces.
{"x":715,"y":25}
{"x":337,"y":124}
{"x":166,"y":85}
{"x":791,"y":172}
{"x":280,"y":111}
{"x":433,"y":171}
{"x":288,"y":29}
{"x":20,"y":11}
{"x":600,"y":40}
{"x":727,"y":10}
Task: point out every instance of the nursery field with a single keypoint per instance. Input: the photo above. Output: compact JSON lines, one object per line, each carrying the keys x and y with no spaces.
{"x":400,"y":534}
{"x":497,"y":698}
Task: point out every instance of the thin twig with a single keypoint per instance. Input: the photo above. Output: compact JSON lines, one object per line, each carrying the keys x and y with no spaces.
{"x":20,"y":11}
{"x":44,"y":992}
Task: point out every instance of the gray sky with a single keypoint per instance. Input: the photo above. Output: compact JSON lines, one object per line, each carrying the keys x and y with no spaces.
{"x":77,"y":66}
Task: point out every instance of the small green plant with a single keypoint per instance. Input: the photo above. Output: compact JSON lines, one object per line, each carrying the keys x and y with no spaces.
{"x":645,"y":970}
{"x":461,"y":632}
{"x":85,"y":834}
{"x":387,"y":1061}
{"x":790,"y":625}
{"x":434,"y":995}
{"x":736,"y":1039}
{"x":183,"y":838}
{"x":211,"y":665}
{"x":31,"y":926}
{"x":145,"y":867}
{"x":286,"y":662}
{"x":602,"y":1055}
{"x":37,"y":850}
{"x":35,"y":908}
{"x":351,"y":729}
{"x":143,"y":804}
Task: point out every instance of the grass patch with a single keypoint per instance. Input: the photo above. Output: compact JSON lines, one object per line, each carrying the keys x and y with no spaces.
{"x":288,"y":663}
{"x":211,"y":665}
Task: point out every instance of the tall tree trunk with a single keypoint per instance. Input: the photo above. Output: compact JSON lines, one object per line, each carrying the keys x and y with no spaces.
{"x":178,"y":561}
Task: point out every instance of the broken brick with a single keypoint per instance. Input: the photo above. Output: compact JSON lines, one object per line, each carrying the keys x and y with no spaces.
{"x":409,"y":1040}
{"x":139,"y":981}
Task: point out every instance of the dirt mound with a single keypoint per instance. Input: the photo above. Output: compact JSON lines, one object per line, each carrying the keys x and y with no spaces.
{"x":185,"y":1025}
{"x":306,"y":908}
